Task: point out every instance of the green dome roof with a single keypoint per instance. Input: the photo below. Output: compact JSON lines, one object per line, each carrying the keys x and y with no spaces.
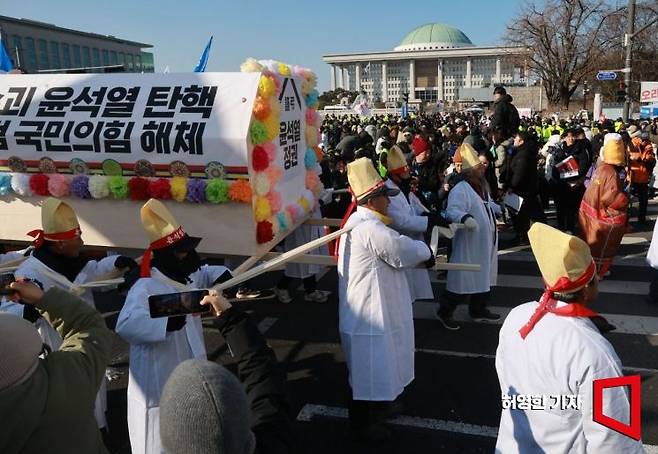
{"x":434,"y":36}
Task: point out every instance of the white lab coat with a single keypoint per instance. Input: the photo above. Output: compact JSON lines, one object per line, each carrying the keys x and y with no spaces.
{"x":155,"y":353}
{"x":375,"y":313}
{"x":302,"y":235}
{"x":652,"y":254}
{"x":94,"y":270}
{"x":478,"y":247}
{"x":560,"y":356}
{"x":407,"y":221}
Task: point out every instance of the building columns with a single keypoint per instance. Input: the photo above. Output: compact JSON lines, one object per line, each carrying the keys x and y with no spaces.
{"x":384,"y":83}
{"x":412,"y":80}
{"x":346,"y":78}
{"x":498,"y":75}
{"x":468,"y":81}
{"x":439,"y":81}
{"x":358,"y":77}
{"x":332,"y":73}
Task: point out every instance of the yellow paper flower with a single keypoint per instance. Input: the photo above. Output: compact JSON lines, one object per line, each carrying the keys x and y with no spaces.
{"x":283,"y":69}
{"x":251,"y":65}
{"x":304,"y":203}
{"x":272,"y":127}
{"x":266,"y":87}
{"x":262,"y":211}
{"x":179,"y":188}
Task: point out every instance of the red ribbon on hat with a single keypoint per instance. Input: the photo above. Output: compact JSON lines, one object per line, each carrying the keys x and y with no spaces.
{"x":40,"y":236}
{"x":173,"y":238}
{"x":547,"y":303}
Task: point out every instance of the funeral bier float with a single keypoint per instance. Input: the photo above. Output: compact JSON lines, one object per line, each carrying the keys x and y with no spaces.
{"x":234,"y":156}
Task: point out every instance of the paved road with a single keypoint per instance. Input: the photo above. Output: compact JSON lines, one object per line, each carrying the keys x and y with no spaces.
{"x":453,"y":405}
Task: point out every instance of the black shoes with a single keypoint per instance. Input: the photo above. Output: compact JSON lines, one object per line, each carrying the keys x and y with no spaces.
{"x":447,"y":321}
{"x":485,"y":316}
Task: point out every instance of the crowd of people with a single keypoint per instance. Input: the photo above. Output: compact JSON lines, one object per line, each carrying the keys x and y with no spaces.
{"x":459,"y":175}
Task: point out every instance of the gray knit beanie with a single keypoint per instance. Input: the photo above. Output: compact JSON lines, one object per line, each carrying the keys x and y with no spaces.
{"x":204,"y":410}
{"x":20,"y":346}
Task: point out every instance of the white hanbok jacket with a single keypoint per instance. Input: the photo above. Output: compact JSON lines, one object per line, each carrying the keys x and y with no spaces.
{"x":478,"y":247}
{"x":408,"y":221}
{"x":375,"y":313}
{"x":35,"y":269}
{"x":155,"y":353}
{"x":561,"y":356}
{"x":652,"y":254}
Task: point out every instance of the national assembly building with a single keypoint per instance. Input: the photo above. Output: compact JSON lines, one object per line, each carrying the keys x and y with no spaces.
{"x":432,"y":63}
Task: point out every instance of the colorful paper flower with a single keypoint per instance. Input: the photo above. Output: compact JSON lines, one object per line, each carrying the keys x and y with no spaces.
{"x":312,"y":138}
{"x":275,"y":200}
{"x":80,"y":187}
{"x":98,"y":186}
{"x":261,"y":183}
{"x":118,"y":186}
{"x":266,"y":87}
{"x":264,"y":233}
{"x":160,"y":189}
{"x":262,"y":210}
{"x":274,"y":174}
{"x":217,"y":191}
{"x":272,"y":127}
{"x":240,"y":191}
{"x":20,"y":184}
{"x":179,"y":188}
{"x":270,"y":149}
{"x":5,"y":184}
{"x":138,"y":188}
{"x":58,"y":185}
{"x":262,"y":108}
{"x":312,"y":98}
{"x":39,"y":184}
{"x":196,"y":190}
{"x":283,"y":69}
{"x":310,"y":160}
{"x":312,"y":180}
{"x":258,"y":132}
{"x":259,"y":159}
{"x":251,"y":65}
{"x":283,"y":219}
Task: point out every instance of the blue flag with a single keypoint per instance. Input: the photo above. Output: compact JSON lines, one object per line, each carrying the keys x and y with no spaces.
{"x":6,"y":63}
{"x":203,"y":61}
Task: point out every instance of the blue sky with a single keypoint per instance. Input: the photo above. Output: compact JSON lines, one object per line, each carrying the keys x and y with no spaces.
{"x":283,"y":30}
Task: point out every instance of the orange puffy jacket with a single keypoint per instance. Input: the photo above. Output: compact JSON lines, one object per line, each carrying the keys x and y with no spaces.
{"x":643,"y":160}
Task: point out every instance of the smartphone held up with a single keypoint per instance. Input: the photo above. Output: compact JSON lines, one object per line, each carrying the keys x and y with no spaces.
{"x":183,"y":303}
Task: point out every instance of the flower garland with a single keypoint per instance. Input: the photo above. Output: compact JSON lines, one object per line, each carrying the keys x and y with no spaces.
{"x":180,"y":189}
{"x":271,"y":216}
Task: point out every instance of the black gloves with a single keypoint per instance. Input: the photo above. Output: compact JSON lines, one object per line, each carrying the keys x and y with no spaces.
{"x":175,"y":323}
{"x":429,"y":263}
{"x":125,"y":262}
{"x":30,"y":313}
{"x":435,"y":219}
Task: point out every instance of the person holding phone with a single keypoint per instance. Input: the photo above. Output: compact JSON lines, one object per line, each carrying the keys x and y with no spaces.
{"x":46,"y":395}
{"x":157,"y":345}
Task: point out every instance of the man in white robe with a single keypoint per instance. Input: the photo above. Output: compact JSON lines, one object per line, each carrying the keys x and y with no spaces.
{"x":158,"y":345}
{"x":410,"y":218}
{"x":555,"y":347}
{"x":375,"y":314}
{"x":470,"y":203}
{"x":56,"y":261}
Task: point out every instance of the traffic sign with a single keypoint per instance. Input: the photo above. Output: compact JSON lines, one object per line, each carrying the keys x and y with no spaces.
{"x":606,"y":75}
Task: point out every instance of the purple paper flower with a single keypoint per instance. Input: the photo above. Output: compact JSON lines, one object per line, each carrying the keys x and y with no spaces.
{"x":196,"y":190}
{"x":80,"y":187}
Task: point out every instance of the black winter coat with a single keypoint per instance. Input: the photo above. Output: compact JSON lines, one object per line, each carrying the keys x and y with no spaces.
{"x":505,"y":117}
{"x":522,"y":170}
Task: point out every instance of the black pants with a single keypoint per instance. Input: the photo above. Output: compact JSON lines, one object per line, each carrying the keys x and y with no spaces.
{"x":309,"y":283}
{"x":544,"y":191}
{"x":642,"y":193}
{"x":477,"y":302}
{"x":364,"y":414}
{"x":653,"y":286}
{"x":531,"y":210}
{"x":567,"y":203}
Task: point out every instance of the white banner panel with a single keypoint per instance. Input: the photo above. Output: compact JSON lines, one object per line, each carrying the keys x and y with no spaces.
{"x":195,"y":118}
{"x":649,"y":92}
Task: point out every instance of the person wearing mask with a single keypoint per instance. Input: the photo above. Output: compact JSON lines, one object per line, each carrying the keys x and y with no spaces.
{"x":410,"y":218}
{"x":603,"y":211}
{"x":571,"y":163}
{"x":643,"y":160}
{"x":57,"y":261}
{"x":157,"y":345}
{"x":470,"y":203}
{"x":46,"y":395}
{"x":556,"y":347}
{"x":405,"y":141}
{"x":375,"y":312}
{"x":247,"y":414}
{"x":427,"y":172}
{"x":522,"y":181}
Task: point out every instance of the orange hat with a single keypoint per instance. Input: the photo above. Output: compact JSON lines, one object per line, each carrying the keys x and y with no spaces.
{"x":457,"y":158}
{"x":58,"y":222}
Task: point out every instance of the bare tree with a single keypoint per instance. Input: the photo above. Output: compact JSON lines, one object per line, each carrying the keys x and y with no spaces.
{"x":566,"y":42}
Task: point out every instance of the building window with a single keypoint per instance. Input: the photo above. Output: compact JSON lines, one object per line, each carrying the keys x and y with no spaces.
{"x":138,"y":62}
{"x":66,"y":55}
{"x":113,"y":58}
{"x":17,"y":51}
{"x":86,"y":57}
{"x":30,"y":55}
{"x":77,"y":61}
{"x":96,"y":57}
{"x":54,"y":55}
{"x":43,"y":54}
{"x":106,"y":57}
{"x":131,"y":61}
{"x":122,"y":58}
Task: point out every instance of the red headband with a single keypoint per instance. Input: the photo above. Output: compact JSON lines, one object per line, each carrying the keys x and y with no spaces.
{"x":173,"y":238}
{"x":40,"y":236}
{"x":548,"y":304}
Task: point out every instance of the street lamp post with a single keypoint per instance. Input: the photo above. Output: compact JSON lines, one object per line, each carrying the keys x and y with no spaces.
{"x":628,"y":42}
